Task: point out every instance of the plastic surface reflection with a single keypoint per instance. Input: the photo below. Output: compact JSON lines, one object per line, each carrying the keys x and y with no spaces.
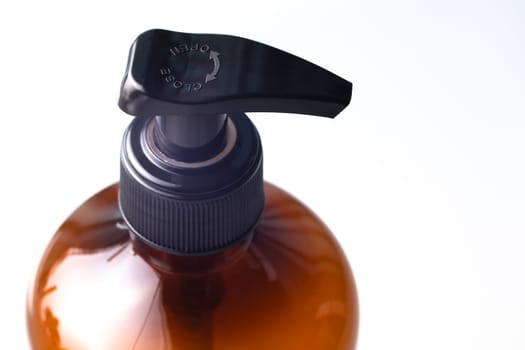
{"x":290,"y":289}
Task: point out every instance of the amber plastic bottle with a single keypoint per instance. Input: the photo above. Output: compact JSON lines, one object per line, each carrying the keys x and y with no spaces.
{"x":287,"y":286}
{"x":137,"y":268}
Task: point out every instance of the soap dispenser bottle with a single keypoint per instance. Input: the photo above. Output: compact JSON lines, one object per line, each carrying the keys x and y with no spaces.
{"x":192,"y":250}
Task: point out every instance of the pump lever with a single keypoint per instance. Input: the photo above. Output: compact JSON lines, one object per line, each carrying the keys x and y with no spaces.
{"x":172,"y":73}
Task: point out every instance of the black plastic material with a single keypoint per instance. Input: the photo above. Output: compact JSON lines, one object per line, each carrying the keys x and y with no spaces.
{"x":171,"y":73}
{"x":192,"y":210}
{"x":191,"y":168}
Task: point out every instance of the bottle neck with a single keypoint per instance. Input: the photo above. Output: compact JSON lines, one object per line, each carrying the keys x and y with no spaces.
{"x":191,"y":265}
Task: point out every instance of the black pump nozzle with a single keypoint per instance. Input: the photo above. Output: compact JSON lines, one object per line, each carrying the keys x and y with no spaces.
{"x":196,"y":145}
{"x":193,"y":77}
{"x":172,"y":73}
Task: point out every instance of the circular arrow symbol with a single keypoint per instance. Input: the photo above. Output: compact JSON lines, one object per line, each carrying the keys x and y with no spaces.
{"x":214,"y":56}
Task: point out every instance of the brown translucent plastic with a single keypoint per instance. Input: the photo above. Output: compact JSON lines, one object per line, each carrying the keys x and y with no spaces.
{"x":286,"y":287}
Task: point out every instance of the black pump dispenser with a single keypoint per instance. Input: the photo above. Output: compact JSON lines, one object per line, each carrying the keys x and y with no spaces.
{"x":191,"y":165}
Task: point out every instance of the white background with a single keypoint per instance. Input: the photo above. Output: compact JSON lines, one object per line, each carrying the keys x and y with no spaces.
{"x":421,"y":178}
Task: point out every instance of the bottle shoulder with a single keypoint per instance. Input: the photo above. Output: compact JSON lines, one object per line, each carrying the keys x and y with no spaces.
{"x":291,"y":289}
